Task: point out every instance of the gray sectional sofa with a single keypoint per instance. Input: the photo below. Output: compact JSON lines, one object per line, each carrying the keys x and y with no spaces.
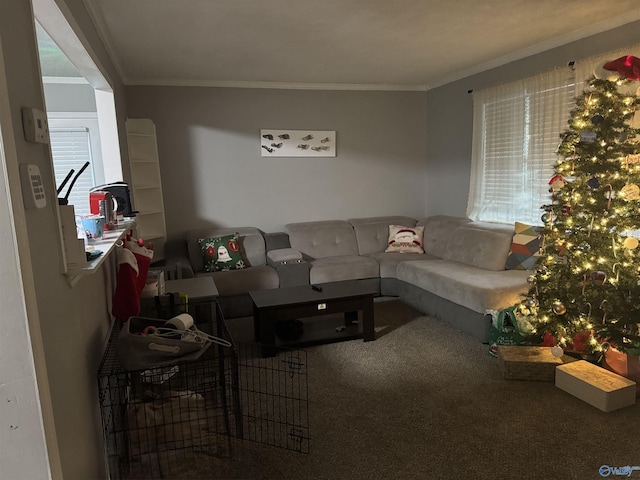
{"x":184,"y":260}
{"x":460,"y":276}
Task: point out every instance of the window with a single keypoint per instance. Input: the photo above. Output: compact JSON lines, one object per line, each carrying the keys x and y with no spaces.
{"x":516,"y":132}
{"x":71,"y":149}
{"x":80,"y":111}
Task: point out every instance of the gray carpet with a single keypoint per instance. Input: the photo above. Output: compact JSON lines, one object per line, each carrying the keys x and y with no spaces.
{"x":427,"y":402}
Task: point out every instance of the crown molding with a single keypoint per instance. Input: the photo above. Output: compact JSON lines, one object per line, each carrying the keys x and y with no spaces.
{"x":588,"y":31}
{"x":275,"y":85}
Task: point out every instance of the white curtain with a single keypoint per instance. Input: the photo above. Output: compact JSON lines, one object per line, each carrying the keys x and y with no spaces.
{"x":516,"y":132}
{"x":585,"y":68}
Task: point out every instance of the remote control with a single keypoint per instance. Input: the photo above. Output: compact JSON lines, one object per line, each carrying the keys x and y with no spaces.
{"x":317,"y":288}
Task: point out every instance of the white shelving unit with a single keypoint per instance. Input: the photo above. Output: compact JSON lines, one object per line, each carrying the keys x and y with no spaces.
{"x":146,"y":184}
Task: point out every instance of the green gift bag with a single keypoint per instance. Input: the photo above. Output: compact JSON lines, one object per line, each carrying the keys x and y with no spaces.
{"x":506,"y":329}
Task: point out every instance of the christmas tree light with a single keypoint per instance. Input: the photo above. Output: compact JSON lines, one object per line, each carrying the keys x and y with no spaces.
{"x":585,"y":289}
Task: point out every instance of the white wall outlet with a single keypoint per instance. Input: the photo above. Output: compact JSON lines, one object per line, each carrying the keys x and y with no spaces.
{"x":35,"y":125}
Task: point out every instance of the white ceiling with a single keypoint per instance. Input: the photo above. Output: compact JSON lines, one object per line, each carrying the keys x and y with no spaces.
{"x":380,"y":44}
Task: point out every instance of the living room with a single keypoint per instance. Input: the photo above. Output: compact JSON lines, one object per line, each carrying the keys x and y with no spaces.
{"x":398,"y":152}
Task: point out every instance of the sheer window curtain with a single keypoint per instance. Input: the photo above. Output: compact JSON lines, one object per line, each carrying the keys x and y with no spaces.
{"x":516,"y":131}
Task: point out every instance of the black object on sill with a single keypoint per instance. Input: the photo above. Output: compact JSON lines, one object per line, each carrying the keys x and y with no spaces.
{"x":92,"y":255}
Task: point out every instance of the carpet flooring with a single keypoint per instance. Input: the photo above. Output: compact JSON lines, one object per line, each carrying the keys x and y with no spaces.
{"x":425,"y":401}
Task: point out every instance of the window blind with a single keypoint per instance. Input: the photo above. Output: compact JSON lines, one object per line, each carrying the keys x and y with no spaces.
{"x":516,"y":132}
{"x":70,"y":149}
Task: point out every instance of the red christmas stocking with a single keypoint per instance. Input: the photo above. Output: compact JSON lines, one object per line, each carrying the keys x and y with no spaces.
{"x":143,"y":256}
{"x":126,"y":298}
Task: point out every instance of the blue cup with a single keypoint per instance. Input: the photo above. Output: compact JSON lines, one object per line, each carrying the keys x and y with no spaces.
{"x":93,"y":226}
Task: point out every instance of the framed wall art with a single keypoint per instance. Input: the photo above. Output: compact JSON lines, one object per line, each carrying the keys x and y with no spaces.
{"x":298,"y":143}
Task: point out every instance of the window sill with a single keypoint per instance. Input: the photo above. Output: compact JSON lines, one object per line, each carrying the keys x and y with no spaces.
{"x":106,"y":245}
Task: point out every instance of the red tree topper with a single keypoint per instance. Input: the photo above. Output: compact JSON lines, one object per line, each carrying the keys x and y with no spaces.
{"x":627,"y":66}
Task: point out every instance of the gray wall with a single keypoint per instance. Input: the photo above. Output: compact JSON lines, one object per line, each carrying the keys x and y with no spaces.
{"x":73,"y":322}
{"x":213,"y":173}
{"x":450,"y":115}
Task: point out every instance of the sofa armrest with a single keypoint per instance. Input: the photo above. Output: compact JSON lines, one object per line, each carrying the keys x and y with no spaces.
{"x":284,"y":256}
{"x":177,"y":264}
{"x":292,"y":269}
{"x":276,"y":241}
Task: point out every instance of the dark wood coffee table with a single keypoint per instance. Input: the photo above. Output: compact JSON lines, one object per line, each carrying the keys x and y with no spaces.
{"x":289,"y":303}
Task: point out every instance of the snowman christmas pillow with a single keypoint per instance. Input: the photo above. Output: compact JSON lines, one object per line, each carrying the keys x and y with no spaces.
{"x":405,"y":239}
{"x":221,"y":253}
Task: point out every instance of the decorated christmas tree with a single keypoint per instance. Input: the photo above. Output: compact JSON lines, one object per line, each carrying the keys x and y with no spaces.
{"x":585,"y":289}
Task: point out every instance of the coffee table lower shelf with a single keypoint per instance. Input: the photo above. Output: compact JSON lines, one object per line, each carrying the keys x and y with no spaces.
{"x":346,"y":304}
{"x":319,"y":330}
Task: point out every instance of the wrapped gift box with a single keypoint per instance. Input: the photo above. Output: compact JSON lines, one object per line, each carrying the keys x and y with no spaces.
{"x":601,"y":388}
{"x":528,"y":363}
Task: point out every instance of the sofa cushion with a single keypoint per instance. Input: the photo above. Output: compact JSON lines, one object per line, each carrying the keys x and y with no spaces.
{"x":372,"y":233}
{"x":485,"y":248}
{"x":525,"y":247}
{"x":345,"y":267}
{"x":325,"y":238}
{"x":250,"y":239}
{"x":404,"y":239}
{"x":437,"y":231}
{"x":474,"y":288}
{"x":389,"y":261}
{"x":283,"y":255}
{"x":221,"y":253}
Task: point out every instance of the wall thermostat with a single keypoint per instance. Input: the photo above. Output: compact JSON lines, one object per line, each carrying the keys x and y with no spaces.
{"x":35,"y":125}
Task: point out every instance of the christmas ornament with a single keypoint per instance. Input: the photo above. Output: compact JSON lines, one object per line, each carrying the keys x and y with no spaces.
{"x":593,"y":183}
{"x":548,"y":217}
{"x":557,"y":351}
{"x":585,"y":309}
{"x":598,"y":278}
{"x":558,"y":308}
{"x":627,"y":66}
{"x":566,"y":209}
{"x":542,"y":270}
{"x":584,"y":247}
{"x":635,"y":158}
{"x":557,"y":183}
{"x":630,"y":192}
{"x":587,"y":137}
{"x":531,"y":279}
{"x":597,"y":119}
{"x":630,"y":243}
{"x":532,"y":302}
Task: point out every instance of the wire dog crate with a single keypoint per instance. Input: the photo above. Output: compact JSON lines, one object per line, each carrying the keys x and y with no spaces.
{"x":155,"y":418}
{"x":274,"y":395}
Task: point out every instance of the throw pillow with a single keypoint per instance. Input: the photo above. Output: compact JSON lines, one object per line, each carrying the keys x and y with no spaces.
{"x":221,"y":253}
{"x":405,"y":239}
{"x":525,"y":247}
